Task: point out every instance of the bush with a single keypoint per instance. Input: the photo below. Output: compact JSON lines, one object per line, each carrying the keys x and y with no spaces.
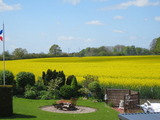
{"x":40,"y":85}
{"x":66,"y":91}
{"x":63,"y":78}
{"x":45,"y":95}
{"x":88,"y":79}
{"x":52,"y":75}
{"x":6,"y":105}
{"x":69,"y":79}
{"x":31,"y":94}
{"x":25,"y":78}
{"x":84,"y":92}
{"x":75,"y":87}
{"x":94,"y":87}
{"x":9,"y":77}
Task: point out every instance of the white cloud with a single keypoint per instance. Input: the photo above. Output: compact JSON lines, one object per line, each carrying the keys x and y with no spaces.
{"x":64,"y":38}
{"x":95,"y":22}
{"x":72,"y":38}
{"x":5,"y":7}
{"x":137,"y":3}
{"x":157,"y":18}
{"x":73,"y":2}
{"x":118,"y":17}
{"x":118,"y":31}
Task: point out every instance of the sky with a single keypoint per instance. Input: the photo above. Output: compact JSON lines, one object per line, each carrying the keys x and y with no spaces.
{"x":74,"y":25}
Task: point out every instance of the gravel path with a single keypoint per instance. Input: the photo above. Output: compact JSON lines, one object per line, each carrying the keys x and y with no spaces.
{"x":80,"y":109}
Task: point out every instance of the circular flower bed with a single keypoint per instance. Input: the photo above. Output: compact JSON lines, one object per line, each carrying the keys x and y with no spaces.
{"x":79,"y":109}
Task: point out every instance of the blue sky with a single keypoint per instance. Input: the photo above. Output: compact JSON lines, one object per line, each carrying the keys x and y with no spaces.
{"x":76,"y":24}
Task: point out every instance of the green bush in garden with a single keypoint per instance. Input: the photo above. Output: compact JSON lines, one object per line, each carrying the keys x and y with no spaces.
{"x":9,"y":77}
{"x":31,"y":94}
{"x":75,"y":87}
{"x":94,"y":87}
{"x":69,"y":79}
{"x":66,"y":91}
{"x":23,"y":79}
{"x":45,"y":95}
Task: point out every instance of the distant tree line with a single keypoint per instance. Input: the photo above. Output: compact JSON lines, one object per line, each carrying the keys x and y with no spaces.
{"x":118,"y":50}
{"x":56,"y":51}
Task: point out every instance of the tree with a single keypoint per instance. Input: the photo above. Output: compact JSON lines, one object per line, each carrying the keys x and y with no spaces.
{"x":75,"y":87}
{"x":132,"y":50}
{"x":155,"y":46}
{"x":20,"y":52}
{"x":55,"y":50}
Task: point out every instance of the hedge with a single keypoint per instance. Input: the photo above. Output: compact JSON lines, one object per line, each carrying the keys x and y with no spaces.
{"x":6,"y":105}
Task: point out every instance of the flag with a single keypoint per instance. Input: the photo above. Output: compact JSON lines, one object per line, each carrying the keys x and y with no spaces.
{"x":1,"y":31}
{"x":1,"y":38}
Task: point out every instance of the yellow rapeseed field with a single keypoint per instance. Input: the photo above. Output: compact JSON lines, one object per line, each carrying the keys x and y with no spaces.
{"x":124,"y":70}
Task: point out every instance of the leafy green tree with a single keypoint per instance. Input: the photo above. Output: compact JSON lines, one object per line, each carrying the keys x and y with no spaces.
{"x":132,"y":50}
{"x":20,"y":52}
{"x":55,"y":50}
{"x":155,"y":46}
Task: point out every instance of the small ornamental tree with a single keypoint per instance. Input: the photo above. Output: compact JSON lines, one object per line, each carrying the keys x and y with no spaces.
{"x":75,"y":87}
{"x":69,"y":79}
{"x":53,"y":75}
{"x":23,"y":79}
{"x":9,"y":77}
{"x":63,"y":78}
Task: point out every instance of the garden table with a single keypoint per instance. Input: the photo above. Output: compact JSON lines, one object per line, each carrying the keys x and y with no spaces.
{"x":140,"y":116}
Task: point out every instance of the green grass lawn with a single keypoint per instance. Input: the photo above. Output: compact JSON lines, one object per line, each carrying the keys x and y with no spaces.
{"x":29,"y":109}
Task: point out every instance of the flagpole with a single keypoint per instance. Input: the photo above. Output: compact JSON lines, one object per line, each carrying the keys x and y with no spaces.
{"x":4,"y":66}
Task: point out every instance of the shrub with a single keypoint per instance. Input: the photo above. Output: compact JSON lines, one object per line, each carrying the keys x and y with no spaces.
{"x":84,"y":92}
{"x":69,"y":79}
{"x":66,"y":91}
{"x":9,"y":77}
{"x":31,"y":94}
{"x":6,"y":105}
{"x":53,"y":87}
{"x":75,"y":87}
{"x":40,"y":85}
{"x":88,"y":79}
{"x":94,"y":87}
{"x":63,"y":78}
{"x":45,"y":95}
{"x":52,"y":75}
{"x":25,"y":78}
